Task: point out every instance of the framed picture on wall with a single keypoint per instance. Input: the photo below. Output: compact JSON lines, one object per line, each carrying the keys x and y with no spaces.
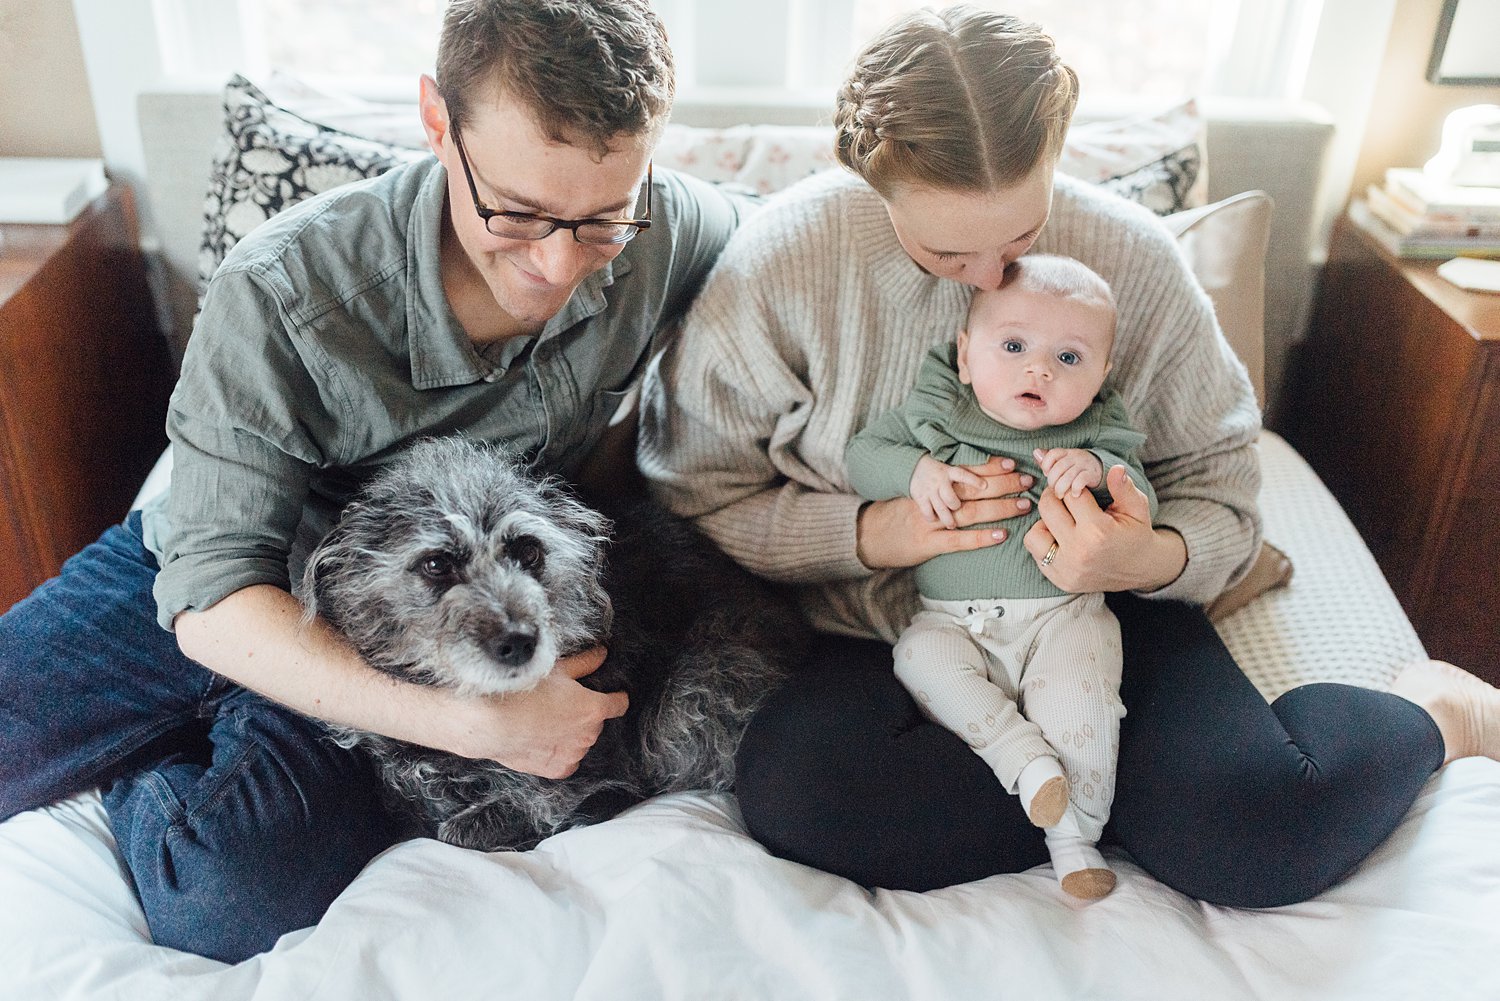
{"x":1464,"y":51}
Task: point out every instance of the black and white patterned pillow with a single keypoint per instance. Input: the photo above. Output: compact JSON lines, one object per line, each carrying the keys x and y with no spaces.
{"x":1164,"y":186}
{"x":270,"y":158}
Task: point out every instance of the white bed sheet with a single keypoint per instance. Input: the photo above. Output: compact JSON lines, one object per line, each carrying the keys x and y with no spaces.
{"x":673,"y":900}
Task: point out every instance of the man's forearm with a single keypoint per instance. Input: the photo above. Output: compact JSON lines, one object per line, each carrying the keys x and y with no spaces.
{"x":256,"y":638}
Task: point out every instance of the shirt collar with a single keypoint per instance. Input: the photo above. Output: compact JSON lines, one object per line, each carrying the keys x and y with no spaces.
{"x":441,"y":352}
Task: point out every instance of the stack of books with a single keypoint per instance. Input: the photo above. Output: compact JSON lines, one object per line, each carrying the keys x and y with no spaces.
{"x":1414,"y":215}
{"x":48,"y":190}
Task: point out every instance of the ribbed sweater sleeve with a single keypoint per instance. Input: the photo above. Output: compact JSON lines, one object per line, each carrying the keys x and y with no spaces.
{"x":723,"y":413}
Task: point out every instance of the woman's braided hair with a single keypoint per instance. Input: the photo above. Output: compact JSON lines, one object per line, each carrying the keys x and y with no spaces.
{"x":590,"y":71}
{"x":960,"y":99}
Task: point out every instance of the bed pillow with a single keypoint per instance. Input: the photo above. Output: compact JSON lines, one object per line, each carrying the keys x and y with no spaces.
{"x":763,"y":158}
{"x":1225,"y":245}
{"x":270,"y":158}
{"x":1155,"y":159}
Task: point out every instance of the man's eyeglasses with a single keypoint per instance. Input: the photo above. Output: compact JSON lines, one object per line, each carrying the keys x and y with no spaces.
{"x":535,"y":226}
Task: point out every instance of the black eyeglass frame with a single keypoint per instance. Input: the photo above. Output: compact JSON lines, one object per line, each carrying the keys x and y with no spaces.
{"x":486,"y":213}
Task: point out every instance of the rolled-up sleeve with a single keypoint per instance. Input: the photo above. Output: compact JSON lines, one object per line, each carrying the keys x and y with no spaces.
{"x":243,"y":423}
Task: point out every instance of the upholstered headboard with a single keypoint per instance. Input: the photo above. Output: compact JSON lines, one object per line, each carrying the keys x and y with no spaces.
{"x":1277,"y":147}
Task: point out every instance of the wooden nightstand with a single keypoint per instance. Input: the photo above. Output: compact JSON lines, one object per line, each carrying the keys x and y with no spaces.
{"x":1396,"y":403}
{"x":84,"y":380}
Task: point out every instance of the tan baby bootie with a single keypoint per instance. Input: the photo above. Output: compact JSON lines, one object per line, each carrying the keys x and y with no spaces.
{"x":1043,"y":789}
{"x":1081,"y":870}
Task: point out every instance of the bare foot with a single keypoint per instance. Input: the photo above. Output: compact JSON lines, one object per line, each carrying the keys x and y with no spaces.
{"x":1465,"y":708}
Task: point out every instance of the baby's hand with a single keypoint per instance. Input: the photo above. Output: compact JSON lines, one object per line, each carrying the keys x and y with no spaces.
{"x":932,"y":488}
{"x":1075,"y":469}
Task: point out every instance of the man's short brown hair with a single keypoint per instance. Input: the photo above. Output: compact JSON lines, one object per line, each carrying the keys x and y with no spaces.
{"x":588,"y":70}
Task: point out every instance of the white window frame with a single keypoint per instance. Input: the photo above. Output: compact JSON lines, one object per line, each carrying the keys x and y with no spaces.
{"x":130,"y":46}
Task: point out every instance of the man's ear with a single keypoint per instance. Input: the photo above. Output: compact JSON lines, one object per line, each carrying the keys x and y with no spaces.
{"x":434,"y":111}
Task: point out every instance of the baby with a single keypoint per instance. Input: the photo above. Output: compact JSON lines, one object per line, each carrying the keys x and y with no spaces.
{"x":1026,"y":673}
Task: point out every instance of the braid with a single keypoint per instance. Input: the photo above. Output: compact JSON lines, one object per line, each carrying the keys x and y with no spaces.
{"x":960,"y":99}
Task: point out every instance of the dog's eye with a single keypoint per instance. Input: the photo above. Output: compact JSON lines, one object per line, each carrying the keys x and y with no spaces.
{"x":527,"y":552}
{"x":438,"y":566}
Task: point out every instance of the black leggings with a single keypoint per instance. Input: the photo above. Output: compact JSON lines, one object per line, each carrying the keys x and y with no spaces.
{"x":1219,"y":795}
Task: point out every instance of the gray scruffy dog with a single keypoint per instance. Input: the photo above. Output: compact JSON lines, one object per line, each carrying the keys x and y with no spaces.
{"x":454,"y":566}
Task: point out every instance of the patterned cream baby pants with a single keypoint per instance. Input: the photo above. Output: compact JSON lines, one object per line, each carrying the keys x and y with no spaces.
{"x":1017,"y":678}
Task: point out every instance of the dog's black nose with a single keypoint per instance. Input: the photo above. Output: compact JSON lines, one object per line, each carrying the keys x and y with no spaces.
{"x":513,"y":648}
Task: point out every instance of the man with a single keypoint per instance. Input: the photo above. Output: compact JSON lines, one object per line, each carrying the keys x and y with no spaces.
{"x":497,"y":291}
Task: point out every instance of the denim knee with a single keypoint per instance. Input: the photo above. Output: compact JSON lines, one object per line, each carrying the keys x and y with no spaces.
{"x":228,"y":857}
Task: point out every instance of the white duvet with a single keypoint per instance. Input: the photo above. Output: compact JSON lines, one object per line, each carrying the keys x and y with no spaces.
{"x":673,"y":900}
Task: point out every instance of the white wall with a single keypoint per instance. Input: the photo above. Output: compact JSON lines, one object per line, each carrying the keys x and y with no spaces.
{"x":45,"y":108}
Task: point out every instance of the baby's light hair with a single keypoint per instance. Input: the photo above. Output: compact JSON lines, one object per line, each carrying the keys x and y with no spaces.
{"x":1064,"y":277}
{"x":1054,"y":275}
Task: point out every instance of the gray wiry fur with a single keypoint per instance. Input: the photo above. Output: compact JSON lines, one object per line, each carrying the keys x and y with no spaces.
{"x":454,"y":567}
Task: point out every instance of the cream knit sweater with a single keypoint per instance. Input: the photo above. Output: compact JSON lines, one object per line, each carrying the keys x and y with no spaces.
{"x":814,"y":322}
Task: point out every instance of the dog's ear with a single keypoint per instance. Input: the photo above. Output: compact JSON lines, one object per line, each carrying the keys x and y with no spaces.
{"x":328,"y":558}
{"x":567,"y":510}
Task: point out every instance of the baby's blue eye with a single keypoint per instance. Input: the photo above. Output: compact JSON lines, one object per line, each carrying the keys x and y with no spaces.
{"x":1068,"y":357}
{"x":1014,"y":347}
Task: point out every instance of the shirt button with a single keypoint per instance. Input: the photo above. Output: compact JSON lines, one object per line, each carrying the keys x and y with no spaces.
{"x":492,"y":377}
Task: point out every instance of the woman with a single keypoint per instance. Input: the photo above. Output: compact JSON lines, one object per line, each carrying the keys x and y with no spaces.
{"x":815,"y":321}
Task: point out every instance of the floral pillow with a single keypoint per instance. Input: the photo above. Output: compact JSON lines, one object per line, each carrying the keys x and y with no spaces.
{"x":270,"y":158}
{"x":763,"y":158}
{"x":1155,"y":159}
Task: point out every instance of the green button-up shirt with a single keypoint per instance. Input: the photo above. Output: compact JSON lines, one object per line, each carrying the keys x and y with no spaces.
{"x":326,"y":344}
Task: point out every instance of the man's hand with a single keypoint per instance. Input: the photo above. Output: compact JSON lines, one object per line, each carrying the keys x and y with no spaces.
{"x":934,"y":488}
{"x":893,"y":533}
{"x":545,"y":731}
{"x":1114,"y":549}
{"x":1070,"y":469}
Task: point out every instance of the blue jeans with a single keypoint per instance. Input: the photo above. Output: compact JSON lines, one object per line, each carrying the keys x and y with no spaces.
{"x":238,"y":819}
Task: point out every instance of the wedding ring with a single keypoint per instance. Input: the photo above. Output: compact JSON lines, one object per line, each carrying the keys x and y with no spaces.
{"x":1051,"y":555}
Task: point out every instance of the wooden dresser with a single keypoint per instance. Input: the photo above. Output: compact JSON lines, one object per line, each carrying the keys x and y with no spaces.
{"x":84,"y":380}
{"x":1395,"y":401}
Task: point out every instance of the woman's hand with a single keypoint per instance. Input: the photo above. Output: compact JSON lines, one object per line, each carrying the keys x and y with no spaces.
{"x":893,"y":533}
{"x":1114,"y":549}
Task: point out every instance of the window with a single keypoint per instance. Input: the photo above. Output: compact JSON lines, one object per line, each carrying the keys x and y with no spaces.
{"x":796,"y":49}
{"x":765,"y":55}
{"x":344,"y":38}
{"x":807,"y":46}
